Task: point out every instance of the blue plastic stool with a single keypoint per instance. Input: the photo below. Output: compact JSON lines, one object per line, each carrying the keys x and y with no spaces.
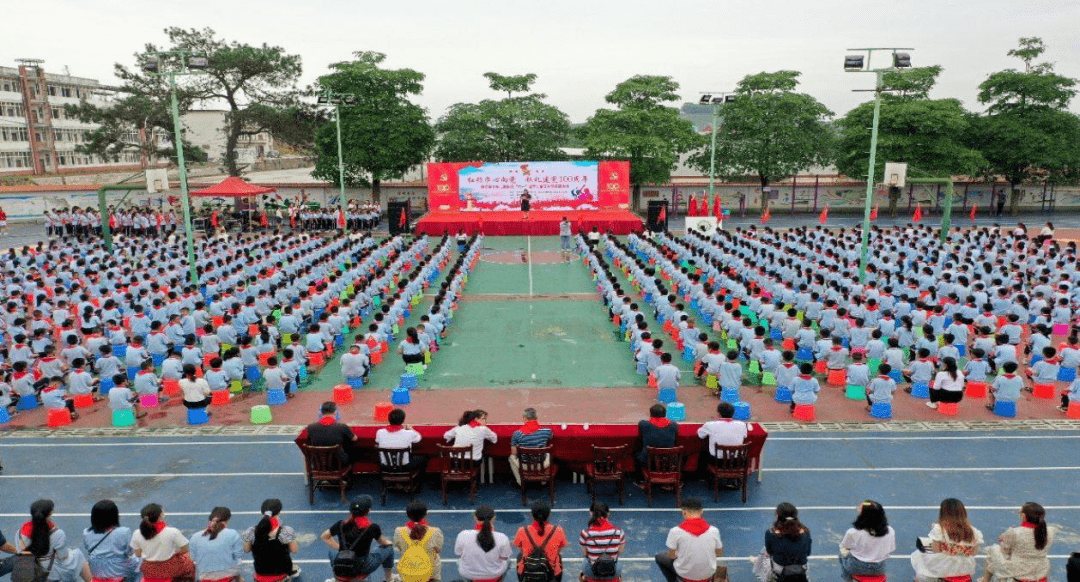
{"x":776,"y":335}
{"x":804,"y":355}
{"x":1035,"y":360}
{"x":642,"y":369}
{"x":881,"y":410}
{"x":962,"y":349}
{"x":302,"y":372}
{"x":400,"y":396}
{"x":355,"y":382}
{"x":131,"y":373}
{"x":28,"y":402}
{"x":667,"y":395}
{"x":676,"y":411}
{"x":120,"y":351}
{"x":729,"y":395}
{"x":158,"y":359}
{"x":920,"y":390}
{"x":1066,"y":374}
{"x":742,"y":411}
{"x":197,"y":416}
{"x":252,"y":374}
{"x":339,"y":340}
{"x":688,"y":354}
{"x":106,"y":385}
{"x":276,"y":397}
{"x":897,"y":376}
{"x":4,"y":415}
{"x":407,"y":381}
{"x":783,"y":394}
{"x":1006,"y":409}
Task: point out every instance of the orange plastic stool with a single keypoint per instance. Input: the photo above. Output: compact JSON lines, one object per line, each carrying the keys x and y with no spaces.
{"x":819,"y":367}
{"x":264,"y":358}
{"x":1073,"y":410}
{"x":382,"y":411}
{"x":652,"y":382}
{"x":343,"y":393}
{"x":376,"y":358}
{"x":837,"y":378}
{"x":84,"y":400}
{"x":804,"y":412}
{"x":198,"y":372}
{"x":170,"y":387}
{"x":253,"y":330}
{"x":1043,"y":390}
{"x":59,"y":417}
{"x":788,"y":344}
{"x":384,"y":347}
{"x":975,"y":390}
{"x":315,"y":359}
{"x":949,"y":408}
{"x":219,"y":397}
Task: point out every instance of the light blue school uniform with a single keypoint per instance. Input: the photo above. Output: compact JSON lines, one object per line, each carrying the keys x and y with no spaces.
{"x":804,"y":390}
{"x":976,"y":370}
{"x":858,"y":374}
{"x":121,"y":397}
{"x":1044,"y":372}
{"x":1007,"y":389}
{"x":881,"y":389}
{"x":112,"y":556}
{"x":730,"y":375}
{"x":667,"y":376}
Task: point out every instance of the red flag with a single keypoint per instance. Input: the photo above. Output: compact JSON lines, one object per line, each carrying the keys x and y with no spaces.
{"x":918,"y":213}
{"x":692,"y":208}
{"x":873,"y":213}
{"x":341,"y":218}
{"x":663,"y":213}
{"x":824,"y":215}
{"x":703,"y":210}
{"x":112,"y":221}
{"x":214,"y":219}
{"x":718,"y":210}
{"x":263,"y":221}
{"x":765,"y":216}
{"x":974,"y":211}
{"x":403,"y":220}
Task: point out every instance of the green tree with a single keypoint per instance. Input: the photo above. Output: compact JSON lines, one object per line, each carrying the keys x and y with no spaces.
{"x":1027,"y":133}
{"x":769,"y":131}
{"x":642,"y":129}
{"x":929,"y":134}
{"x":515,"y":128}
{"x":383,"y":133}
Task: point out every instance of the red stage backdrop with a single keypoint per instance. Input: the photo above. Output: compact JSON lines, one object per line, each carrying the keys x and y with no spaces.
{"x":555,"y":186}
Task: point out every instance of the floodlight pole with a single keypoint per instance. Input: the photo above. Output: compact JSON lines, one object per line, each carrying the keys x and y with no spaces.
{"x":712,"y":150}
{"x":341,"y":171}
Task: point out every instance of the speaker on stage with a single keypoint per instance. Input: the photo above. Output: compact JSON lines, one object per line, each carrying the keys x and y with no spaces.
{"x":398,"y":217}
{"x":657,"y":216}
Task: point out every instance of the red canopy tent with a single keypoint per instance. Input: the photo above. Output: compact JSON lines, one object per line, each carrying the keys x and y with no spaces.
{"x":233,"y":187}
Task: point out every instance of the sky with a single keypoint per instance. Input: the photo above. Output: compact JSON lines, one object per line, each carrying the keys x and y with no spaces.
{"x":579,"y":49}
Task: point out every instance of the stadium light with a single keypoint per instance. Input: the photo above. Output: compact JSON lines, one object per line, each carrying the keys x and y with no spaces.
{"x":853,"y":63}
{"x":328,"y":97}
{"x":716,"y":100}
{"x":705,"y":99}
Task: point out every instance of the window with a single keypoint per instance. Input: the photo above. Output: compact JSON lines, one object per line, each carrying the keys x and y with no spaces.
{"x":57,"y":113}
{"x":65,"y":91}
{"x":7,"y":86}
{"x":52,"y":90}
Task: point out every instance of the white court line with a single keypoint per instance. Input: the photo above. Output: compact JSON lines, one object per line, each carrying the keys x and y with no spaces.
{"x":529,"y":242}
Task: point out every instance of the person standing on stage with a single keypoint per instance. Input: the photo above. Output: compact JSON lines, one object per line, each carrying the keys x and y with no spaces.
{"x":525,"y":198}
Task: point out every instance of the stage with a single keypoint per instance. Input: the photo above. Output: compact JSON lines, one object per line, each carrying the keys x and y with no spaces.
{"x":513,"y":223}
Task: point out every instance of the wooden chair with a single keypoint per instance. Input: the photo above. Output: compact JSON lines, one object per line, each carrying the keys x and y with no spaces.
{"x":458,"y":467}
{"x":326,"y":467}
{"x":607,"y":467}
{"x":663,"y":468}
{"x":394,"y":475}
{"x":532,"y":467}
{"x":730,"y":463}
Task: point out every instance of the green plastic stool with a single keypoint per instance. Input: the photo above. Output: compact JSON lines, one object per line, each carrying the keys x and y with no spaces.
{"x":732,"y":344}
{"x":261,"y":414}
{"x":236,"y":386}
{"x":414,"y":369}
{"x":768,"y":379}
{"x":855,"y":392}
{"x":754,"y":367}
{"x":875,"y":363}
{"x":123,"y":418}
{"x":710,"y":382}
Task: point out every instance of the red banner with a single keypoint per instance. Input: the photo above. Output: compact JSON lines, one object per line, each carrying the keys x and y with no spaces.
{"x":614,"y":184}
{"x":445,"y":188}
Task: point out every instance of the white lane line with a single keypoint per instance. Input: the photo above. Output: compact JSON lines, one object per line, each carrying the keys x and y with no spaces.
{"x":529,"y":239}
{"x":159,"y":475}
{"x":912,"y":469}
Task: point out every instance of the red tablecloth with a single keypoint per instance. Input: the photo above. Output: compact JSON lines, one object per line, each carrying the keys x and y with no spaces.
{"x":572,"y":446}
{"x":539,"y":223}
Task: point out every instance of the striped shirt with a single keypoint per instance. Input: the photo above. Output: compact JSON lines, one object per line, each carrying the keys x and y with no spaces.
{"x":536,"y":439}
{"x":602,"y":539}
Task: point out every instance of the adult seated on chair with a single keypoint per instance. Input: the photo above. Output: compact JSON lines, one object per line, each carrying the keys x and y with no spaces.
{"x":356,"y":534}
{"x":471,"y":432}
{"x":726,"y":431}
{"x":328,"y":432}
{"x":530,"y":436}
{"x":398,"y":435}
{"x":693,"y":547}
{"x":657,"y":432}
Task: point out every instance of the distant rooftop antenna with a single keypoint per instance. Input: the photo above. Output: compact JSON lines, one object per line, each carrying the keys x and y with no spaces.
{"x":36,"y":63}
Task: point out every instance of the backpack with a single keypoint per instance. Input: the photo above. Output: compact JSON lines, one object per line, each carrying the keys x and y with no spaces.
{"x":347,"y":564}
{"x":415,"y":564}
{"x":604,"y":568}
{"x":27,"y":568}
{"x":790,"y":573}
{"x":537,"y":567}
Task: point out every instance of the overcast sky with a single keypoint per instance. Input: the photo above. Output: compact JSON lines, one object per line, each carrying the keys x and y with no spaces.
{"x":579,"y":49}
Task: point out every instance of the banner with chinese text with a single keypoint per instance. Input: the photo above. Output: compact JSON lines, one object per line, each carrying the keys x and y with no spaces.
{"x":576,"y":185}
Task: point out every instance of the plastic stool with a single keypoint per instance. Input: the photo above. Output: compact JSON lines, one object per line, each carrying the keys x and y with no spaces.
{"x":729,"y":395}
{"x":400,"y":396}
{"x":170,"y":387}
{"x":1006,"y":409}
{"x":948,"y":408}
{"x":1073,"y":410}
{"x":837,"y":378}
{"x":742,"y":411}
{"x":1060,"y":329}
{"x":315,"y":359}
{"x":882,"y":410}
{"x":788,"y":344}
{"x":236,"y":386}
{"x":276,"y":397}
{"x":667,"y":396}
{"x":355,"y":382}
{"x":975,"y":390}
{"x":676,"y":411}
{"x":754,"y":367}
{"x":711,"y":383}
{"x":869,"y":578}
{"x":28,"y":402}
{"x":264,"y":358}
{"x":5,"y":416}
{"x":59,"y":417}
{"x":804,"y":355}
{"x":157,"y":359}
{"x":874,"y":364}
{"x":131,"y":371}
{"x":376,"y":358}
{"x":207,"y":358}
{"x":1043,"y":390}
{"x":220,"y":397}
{"x":820,"y":367}
{"x":688,"y":354}
{"x":415,"y":369}
{"x":382,"y":411}
{"x":804,"y":412}
{"x":120,"y":351}
{"x":148,"y":400}
{"x":783,"y":394}
{"x":123,"y":417}
{"x":252,"y":374}
{"x":897,"y":376}
{"x":854,"y":392}
{"x":260,"y":414}
{"x":1066,"y":374}
{"x":768,"y":379}
{"x":343,"y":394}
{"x":106,"y":385}
{"x":407,"y":381}
{"x":652,"y":382}
{"x":84,"y":400}
{"x":197,"y":416}
{"x":920,"y":390}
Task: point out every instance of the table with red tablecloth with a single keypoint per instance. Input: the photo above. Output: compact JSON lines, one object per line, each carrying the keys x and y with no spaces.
{"x":539,"y":223}
{"x":571,"y":444}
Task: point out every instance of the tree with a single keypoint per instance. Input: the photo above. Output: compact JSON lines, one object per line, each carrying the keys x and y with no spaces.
{"x":1027,"y":133}
{"x":769,"y":131}
{"x":383,"y":134}
{"x":515,"y":128}
{"x":642,"y":129}
{"x":929,"y":134}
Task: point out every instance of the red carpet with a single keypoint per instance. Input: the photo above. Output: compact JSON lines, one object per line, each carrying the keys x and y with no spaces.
{"x":510,"y":223}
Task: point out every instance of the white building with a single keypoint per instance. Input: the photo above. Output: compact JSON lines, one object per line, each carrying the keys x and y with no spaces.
{"x":206,"y":130}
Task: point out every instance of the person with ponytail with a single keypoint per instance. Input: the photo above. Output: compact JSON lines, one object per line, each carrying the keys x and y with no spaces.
{"x":541,"y":534}
{"x":1021,"y":552}
{"x":356,"y":534}
{"x":41,"y":538}
{"x":601,"y":542}
{"x":787,"y":547}
{"x":163,"y":549}
{"x":271,"y":544}
{"x":107,"y":544}
{"x":483,"y":553}
{"x":472,"y":431}
{"x":410,"y":348}
{"x":867,"y":543}
{"x":217,"y":549}
{"x":415,"y":530}
{"x":952,"y":547}
{"x":196,"y":390}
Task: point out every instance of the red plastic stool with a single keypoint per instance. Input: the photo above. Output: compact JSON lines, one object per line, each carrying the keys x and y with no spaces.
{"x":59,"y":417}
{"x":819,"y":367}
{"x":964,"y":578}
{"x":382,"y":411}
{"x":1043,"y":390}
{"x":343,"y":393}
{"x":385,"y":347}
{"x":264,"y":358}
{"x":788,"y":344}
{"x":949,"y":408}
{"x":206,"y":359}
{"x":975,"y":390}
{"x":84,"y":400}
{"x":170,"y":387}
{"x":1073,"y":411}
{"x":837,"y":378}
{"x":804,"y":412}
{"x":253,"y":330}
{"x":219,"y":397}
{"x":652,"y":382}
{"x":376,"y":358}
{"x":315,"y":359}
{"x":198,"y":372}
{"x":218,"y":321}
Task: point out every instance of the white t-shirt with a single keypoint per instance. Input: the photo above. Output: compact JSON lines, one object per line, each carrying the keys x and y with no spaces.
{"x":943,"y":381}
{"x":695,"y":556}
{"x":398,"y":439}
{"x":473,"y":436}
{"x":161,"y":547}
{"x":474,"y":563}
{"x":867,"y":548}
{"x":726,"y":433}
{"x":196,"y":391}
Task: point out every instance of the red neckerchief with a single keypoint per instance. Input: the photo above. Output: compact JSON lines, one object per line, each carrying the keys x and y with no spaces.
{"x":18,"y":375}
{"x":1009,"y":375}
{"x":789,"y":365}
{"x":601,"y":524}
{"x":144,"y":372}
{"x":159,"y":525}
{"x":394,"y":427}
{"x":474,"y":423}
{"x":413,"y":524}
{"x":1022,"y":524}
{"x":837,"y":348}
{"x":659,"y":422}
{"x":530,"y":427}
{"x":274,"y":523}
{"x":28,"y":528}
{"x":694,"y":526}
{"x":806,"y":376}
{"x":884,"y":376}
{"x":480,"y":526}
{"x":361,"y":522}
{"x":327,"y":420}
